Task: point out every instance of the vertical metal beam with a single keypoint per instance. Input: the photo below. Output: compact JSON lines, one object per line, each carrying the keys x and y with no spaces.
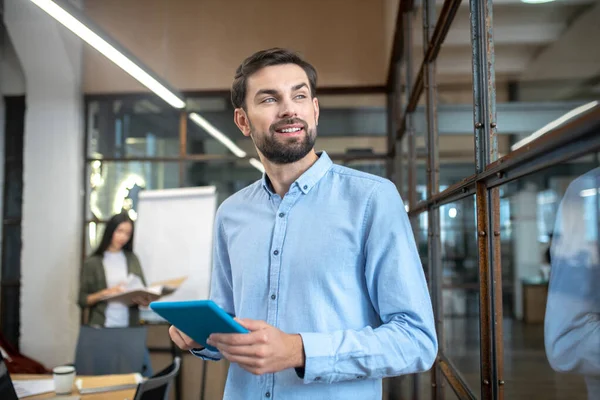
{"x":484,"y":86}
{"x":410,"y":130}
{"x":397,"y":118}
{"x":496,"y":266}
{"x":391,"y":133}
{"x":85,"y":183}
{"x":485,"y":315}
{"x":434,"y":248}
{"x":182,"y":146}
{"x":488,"y":201}
{"x":407,"y":24}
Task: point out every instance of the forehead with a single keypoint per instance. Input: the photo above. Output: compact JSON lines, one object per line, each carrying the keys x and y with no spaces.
{"x":124,"y":225}
{"x":278,"y":77}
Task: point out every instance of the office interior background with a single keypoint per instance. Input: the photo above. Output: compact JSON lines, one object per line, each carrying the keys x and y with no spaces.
{"x":482,"y":113}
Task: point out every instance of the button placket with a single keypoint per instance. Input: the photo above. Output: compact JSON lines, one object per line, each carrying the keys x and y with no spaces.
{"x":279,"y":231}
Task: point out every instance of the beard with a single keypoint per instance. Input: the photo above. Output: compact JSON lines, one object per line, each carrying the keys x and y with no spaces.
{"x":279,"y":149}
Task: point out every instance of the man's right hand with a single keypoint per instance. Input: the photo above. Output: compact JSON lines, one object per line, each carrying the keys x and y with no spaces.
{"x":183,"y":341}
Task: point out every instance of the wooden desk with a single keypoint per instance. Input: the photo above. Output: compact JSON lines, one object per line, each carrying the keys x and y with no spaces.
{"x":117,"y":395}
{"x":535,"y":296}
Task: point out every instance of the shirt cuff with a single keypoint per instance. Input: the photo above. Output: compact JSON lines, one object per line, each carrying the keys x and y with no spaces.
{"x":318,"y":366}
{"x":206,"y":354}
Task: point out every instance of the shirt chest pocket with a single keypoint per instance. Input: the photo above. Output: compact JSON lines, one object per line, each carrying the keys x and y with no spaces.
{"x":328,"y":260}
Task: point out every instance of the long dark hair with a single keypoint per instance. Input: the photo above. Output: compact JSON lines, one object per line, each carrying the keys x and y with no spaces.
{"x":111,"y":227}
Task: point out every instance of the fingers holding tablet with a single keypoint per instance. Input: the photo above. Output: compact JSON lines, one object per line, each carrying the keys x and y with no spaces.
{"x":183,"y":341}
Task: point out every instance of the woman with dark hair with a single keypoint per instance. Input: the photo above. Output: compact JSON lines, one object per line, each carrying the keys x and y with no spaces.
{"x":105,"y":273}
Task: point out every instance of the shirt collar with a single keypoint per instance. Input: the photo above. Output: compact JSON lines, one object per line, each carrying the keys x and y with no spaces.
{"x":309,"y":178}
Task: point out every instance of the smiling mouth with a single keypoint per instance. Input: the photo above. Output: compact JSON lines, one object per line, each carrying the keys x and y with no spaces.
{"x":289,"y":131}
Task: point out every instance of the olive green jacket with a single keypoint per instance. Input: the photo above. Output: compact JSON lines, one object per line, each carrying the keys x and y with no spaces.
{"x":93,"y":280}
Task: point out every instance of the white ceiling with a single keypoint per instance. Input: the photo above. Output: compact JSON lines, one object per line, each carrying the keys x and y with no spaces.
{"x":551,"y":49}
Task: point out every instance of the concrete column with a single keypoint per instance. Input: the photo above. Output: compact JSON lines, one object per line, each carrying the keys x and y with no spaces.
{"x":12,"y":83}
{"x":52,"y":222}
{"x":526,"y":259}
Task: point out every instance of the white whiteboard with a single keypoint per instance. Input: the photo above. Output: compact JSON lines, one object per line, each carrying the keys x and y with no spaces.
{"x":173,"y":238}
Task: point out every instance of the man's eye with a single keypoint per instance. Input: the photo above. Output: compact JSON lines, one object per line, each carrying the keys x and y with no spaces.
{"x":268,"y":100}
{"x":301,"y":96}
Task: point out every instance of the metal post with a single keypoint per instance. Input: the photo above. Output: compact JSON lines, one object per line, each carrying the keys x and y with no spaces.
{"x":407,"y":24}
{"x":434,"y":253}
{"x":397,"y":118}
{"x":488,"y":201}
{"x":410,"y":130}
{"x":391,"y":142}
{"x":182,"y":146}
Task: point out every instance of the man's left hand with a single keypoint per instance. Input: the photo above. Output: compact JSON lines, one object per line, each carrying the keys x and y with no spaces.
{"x":265,"y":349}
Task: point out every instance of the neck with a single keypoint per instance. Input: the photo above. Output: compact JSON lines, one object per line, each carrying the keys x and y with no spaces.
{"x":283,"y":175}
{"x":113,"y":249}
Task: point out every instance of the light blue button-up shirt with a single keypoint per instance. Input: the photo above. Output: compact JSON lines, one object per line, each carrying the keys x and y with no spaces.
{"x":572,"y":323}
{"x":335,"y":261}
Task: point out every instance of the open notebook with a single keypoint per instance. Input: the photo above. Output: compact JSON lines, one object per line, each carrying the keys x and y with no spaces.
{"x":135,"y":288}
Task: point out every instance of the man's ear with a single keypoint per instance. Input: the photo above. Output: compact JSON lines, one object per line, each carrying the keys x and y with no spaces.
{"x":241,"y":120}
{"x":316,"y":108}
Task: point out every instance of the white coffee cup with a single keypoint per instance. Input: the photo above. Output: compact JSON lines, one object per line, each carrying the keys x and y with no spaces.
{"x":64,"y":377}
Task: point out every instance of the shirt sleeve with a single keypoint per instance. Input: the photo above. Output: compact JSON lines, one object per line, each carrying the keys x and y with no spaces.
{"x":572,"y":322}
{"x":221,"y":289}
{"x":87,"y":283}
{"x":405,"y":342}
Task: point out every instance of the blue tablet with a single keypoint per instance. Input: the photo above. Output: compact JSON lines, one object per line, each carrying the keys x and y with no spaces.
{"x":197,"y":318}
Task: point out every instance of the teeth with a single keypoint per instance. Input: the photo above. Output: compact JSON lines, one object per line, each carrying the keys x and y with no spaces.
{"x":290,"y":130}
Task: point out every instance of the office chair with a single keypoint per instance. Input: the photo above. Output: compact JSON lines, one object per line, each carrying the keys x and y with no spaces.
{"x":106,"y":351}
{"x":157,"y":387}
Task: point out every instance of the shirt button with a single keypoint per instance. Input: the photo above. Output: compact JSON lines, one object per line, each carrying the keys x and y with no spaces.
{"x":281,"y":215}
{"x":318,"y":378}
{"x":273,"y":297}
{"x":305,"y":187}
{"x":276,"y":252}
{"x":268,"y":394}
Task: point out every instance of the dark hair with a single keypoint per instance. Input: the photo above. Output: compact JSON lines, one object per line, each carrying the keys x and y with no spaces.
{"x":111,"y":227}
{"x":267,"y":58}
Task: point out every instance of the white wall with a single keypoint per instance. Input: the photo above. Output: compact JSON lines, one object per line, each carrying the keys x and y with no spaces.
{"x":12,"y":81}
{"x":52,"y":193}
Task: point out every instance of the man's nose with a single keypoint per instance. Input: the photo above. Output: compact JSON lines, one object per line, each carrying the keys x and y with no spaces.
{"x":288,"y":109}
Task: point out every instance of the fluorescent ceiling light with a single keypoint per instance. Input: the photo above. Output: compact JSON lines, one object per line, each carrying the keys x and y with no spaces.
{"x":537,"y":1}
{"x":220,"y":136}
{"x":111,"y":52}
{"x":554,"y":124}
{"x":217,"y":134}
{"x":589,"y":192}
{"x":452,"y":212}
{"x":257,"y":164}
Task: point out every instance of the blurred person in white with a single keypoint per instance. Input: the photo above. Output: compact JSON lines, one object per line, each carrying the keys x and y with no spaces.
{"x":106,"y":272}
{"x":572,"y":324}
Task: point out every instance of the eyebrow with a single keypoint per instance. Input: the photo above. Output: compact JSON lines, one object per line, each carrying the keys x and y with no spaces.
{"x":274,"y":92}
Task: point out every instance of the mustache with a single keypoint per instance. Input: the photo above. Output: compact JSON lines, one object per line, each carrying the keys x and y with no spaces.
{"x":289,"y":121}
